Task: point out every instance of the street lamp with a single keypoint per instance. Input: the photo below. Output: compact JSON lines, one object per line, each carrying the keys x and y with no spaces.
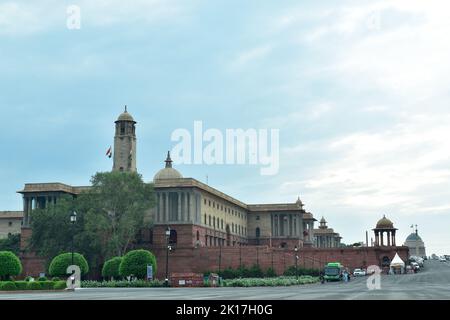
{"x":296,"y":262}
{"x":73,"y":220}
{"x":167,"y":255}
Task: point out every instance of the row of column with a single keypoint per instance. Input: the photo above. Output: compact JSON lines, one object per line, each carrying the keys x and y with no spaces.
{"x":327,"y":242}
{"x":379,"y":238}
{"x":286,"y":225}
{"x":184,"y":209}
{"x":31,"y":203}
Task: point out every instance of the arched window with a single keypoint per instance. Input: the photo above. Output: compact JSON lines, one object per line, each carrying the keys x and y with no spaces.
{"x":214,"y":222}
{"x":205,"y":219}
{"x":209,"y":218}
{"x":258,"y":232}
{"x":198,"y":235}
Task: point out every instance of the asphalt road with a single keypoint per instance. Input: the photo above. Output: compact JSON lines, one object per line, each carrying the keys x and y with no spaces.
{"x":431,"y":283}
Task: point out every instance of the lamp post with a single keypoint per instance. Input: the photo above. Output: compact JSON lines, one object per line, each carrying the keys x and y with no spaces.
{"x":296,"y":262}
{"x":167,"y":255}
{"x":73,"y":220}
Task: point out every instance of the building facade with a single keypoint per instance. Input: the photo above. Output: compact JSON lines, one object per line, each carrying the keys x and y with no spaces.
{"x":325,"y":237}
{"x":10,"y":223}
{"x":415,"y":244}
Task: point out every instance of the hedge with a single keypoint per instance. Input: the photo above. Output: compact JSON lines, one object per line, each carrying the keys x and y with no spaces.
{"x":111,"y":268}
{"x":122,"y":284}
{"x":270,"y":282}
{"x":58,"y":266}
{"x":7,"y":286}
{"x":32,"y":285}
{"x":10,"y":265}
{"x":134,"y":263}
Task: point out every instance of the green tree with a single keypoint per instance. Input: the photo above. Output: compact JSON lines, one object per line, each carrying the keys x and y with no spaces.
{"x":52,"y":230}
{"x":110,"y":215}
{"x":116,"y":208}
{"x":11,"y":243}
{"x":135,"y":263}
{"x":59,"y":264}
{"x":111,"y":268}
{"x":10,"y":265}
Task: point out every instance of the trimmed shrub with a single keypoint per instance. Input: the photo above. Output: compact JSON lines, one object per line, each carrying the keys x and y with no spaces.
{"x":59,"y":264}
{"x":256,"y":272}
{"x":59,"y":285}
{"x":122,"y":284}
{"x":29,"y":278}
{"x":47,"y":285}
{"x":135,"y":263}
{"x":34,"y":285}
{"x":111,"y":268}
{"x":42,"y":279}
{"x":21,"y":285}
{"x":56,"y":279}
{"x":270,"y":273}
{"x":9,"y":265}
{"x":7,"y":286}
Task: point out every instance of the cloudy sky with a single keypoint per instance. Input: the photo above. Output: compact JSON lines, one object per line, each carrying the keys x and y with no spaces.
{"x":358,"y":89}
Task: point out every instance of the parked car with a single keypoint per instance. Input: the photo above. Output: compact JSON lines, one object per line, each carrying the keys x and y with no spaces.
{"x":415,"y":266}
{"x":442,"y":259}
{"x":359,"y":272}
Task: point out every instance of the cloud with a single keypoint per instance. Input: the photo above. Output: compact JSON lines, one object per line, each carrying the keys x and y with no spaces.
{"x":249,"y":56}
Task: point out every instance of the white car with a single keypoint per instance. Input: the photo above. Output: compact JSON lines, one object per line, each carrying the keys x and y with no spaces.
{"x":359,"y":272}
{"x":442,"y":259}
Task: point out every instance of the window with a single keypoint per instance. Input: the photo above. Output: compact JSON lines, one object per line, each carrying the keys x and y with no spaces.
{"x":221,"y":224}
{"x":209,"y":218}
{"x":204,"y":202}
{"x":10,"y":224}
{"x":205,"y":218}
{"x":214,"y":222}
{"x":209,"y":201}
{"x":198,"y":235}
{"x":257,"y":218}
{"x":258,"y":232}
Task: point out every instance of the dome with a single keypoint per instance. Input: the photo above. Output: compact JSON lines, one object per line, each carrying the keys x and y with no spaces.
{"x":385,"y":223}
{"x":125,"y":116}
{"x":168,"y":172}
{"x":414,"y":237}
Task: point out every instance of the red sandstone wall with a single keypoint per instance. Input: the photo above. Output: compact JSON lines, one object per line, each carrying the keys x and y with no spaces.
{"x":203,"y":259}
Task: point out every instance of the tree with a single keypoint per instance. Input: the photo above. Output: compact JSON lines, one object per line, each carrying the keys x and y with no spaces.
{"x":115,"y":210}
{"x":109,"y":217}
{"x":10,"y":265}
{"x":11,"y":243}
{"x":52,"y":230}
{"x":135,"y":263}
{"x":59,"y":264}
{"x":111,"y":268}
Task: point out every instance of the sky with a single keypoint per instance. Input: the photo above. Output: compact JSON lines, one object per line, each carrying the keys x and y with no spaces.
{"x":358,"y":89}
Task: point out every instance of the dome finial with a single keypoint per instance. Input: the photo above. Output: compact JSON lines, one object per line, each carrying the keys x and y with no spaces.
{"x":168,"y":160}
{"x":126,"y":108}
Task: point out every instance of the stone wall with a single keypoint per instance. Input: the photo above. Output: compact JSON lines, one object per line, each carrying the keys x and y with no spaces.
{"x":198,"y":260}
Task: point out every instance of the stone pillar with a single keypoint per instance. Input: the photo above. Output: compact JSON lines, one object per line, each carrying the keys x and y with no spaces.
{"x":179,"y":217}
{"x":158,"y":208}
{"x":25,"y":211}
{"x":192,"y":208}
{"x":166,"y":207}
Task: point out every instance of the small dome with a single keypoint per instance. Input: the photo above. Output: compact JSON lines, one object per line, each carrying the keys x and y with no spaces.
{"x":414,"y":237}
{"x":299,"y":203}
{"x":323,"y":220}
{"x":168,"y":172}
{"x":125,"y":116}
{"x":385,"y":223}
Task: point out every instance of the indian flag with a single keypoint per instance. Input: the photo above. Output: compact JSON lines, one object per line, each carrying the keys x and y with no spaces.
{"x":109,"y":152}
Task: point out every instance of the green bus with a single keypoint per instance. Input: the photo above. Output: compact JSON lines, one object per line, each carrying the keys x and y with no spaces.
{"x":333,"y":271}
